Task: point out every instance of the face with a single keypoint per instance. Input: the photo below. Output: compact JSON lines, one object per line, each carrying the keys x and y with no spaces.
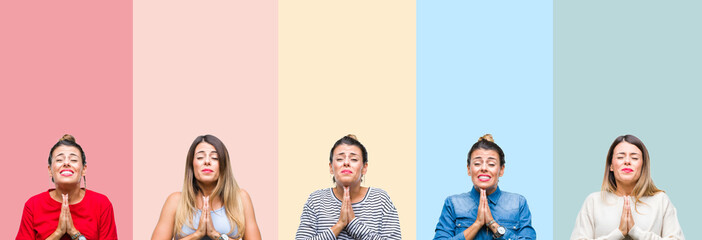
{"x":627,"y":160}
{"x":206,"y":163}
{"x":347,"y":165}
{"x":66,"y":165}
{"x":484,"y":169}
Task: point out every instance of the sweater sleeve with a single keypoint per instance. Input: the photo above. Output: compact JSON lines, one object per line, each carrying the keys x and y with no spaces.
{"x":26,"y":230}
{"x":308,"y":225}
{"x":670,"y":226}
{"x":107,"y":228}
{"x":389,"y":229}
{"x":585,"y":226}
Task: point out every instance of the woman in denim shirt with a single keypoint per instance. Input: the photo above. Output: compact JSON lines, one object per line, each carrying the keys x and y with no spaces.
{"x":485,"y":212}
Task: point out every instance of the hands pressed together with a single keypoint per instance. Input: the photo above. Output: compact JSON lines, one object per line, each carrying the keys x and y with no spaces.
{"x":346,"y":214}
{"x":627,"y":221}
{"x":205,"y":227}
{"x":484,"y":214}
{"x":65,"y":223}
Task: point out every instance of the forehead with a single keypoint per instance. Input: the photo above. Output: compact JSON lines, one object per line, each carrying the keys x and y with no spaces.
{"x":66,"y":150}
{"x":204,"y":147}
{"x":484,"y":153}
{"x":625,"y":147}
{"x":345,"y":148}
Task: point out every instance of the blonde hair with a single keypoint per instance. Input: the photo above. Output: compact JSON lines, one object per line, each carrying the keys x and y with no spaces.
{"x":644,"y":185}
{"x":226,"y":189}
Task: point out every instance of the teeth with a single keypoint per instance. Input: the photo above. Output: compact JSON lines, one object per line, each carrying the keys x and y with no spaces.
{"x":66,"y":172}
{"x":483,"y":177}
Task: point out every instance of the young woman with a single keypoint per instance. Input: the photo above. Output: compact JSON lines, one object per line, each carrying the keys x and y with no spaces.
{"x":349,"y":210}
{"x":629,"y":205}
{"x":211,"y":205}
{"x":68,"y":211}
{"x":486,"y":212}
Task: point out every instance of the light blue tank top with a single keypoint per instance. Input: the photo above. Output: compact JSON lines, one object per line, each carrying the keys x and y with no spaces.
{"x":219,"y":221}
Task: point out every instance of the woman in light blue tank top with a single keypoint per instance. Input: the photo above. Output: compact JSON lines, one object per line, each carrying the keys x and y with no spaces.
{"x":209,"y":184}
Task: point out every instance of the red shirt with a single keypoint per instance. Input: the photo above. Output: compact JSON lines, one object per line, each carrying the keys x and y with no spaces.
{"x":93,"y":217}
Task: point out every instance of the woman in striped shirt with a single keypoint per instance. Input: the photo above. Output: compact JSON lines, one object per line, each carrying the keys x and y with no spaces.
{"x":349,"y":210}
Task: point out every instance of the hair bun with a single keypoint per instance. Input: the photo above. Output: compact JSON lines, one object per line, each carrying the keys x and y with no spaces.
{"x":68,"y":137}
{"x":352,"y":137}
{"x":487,"y":137}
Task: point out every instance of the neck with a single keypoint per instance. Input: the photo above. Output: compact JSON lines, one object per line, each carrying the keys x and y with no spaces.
{"x":207,"y":190}
{"x":625,"y":189}
{"x":488,"y":191}
{"x":354,"y":190}
{"x":72,"y":190}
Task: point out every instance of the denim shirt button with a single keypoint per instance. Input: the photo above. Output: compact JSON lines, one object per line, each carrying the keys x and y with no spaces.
{"x":459,"y":224}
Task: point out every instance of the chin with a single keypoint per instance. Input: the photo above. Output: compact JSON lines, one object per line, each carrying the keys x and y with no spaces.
{"x":483,"y":185}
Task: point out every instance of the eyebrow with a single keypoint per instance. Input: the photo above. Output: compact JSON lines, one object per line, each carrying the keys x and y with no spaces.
{"x":625,"y":153}
{"x":203,"y":151}
{"x":342,"y":153}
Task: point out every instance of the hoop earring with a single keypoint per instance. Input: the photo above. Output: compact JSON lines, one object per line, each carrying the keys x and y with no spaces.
{"x":363,"y":178}
{"x":333,"y":181}
{"x":85,"y":182}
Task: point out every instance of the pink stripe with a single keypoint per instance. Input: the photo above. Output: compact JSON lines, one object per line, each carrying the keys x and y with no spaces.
{"x":66,"y":67}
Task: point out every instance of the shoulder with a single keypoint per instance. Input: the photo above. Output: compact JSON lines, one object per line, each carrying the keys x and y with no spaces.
{"x":173,"y":197}
{"x":461,"y":197}
{"x":245,"y":197}
{"x":511,"y":195}
{"x":96,"y":196}
{"x":37,"y":199}
{"x":596,"y":198}
{"x":378,"y":194}
{"x":172,"y":201}
{"x":320,"y":194}
{"x":660,"y":197}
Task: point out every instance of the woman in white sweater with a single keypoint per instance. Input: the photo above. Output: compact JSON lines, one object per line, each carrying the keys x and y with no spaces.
{"x":629,"y":205}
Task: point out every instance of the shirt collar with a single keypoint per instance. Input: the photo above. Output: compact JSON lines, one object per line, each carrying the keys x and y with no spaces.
{"x":492,"y":198}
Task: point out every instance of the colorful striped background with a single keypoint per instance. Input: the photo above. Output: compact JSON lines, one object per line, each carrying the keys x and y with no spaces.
{"x":417,"y":81}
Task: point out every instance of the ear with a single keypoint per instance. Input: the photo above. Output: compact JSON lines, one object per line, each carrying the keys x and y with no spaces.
{"x":84,"y":171}
{"x":50,"y":175}
{"x":365,"y":168}
{"x":502,"y":170}
{"x":468,"y":167}
{"x":331,"y":169}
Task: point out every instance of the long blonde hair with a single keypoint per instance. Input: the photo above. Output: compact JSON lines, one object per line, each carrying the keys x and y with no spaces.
{"x":226,"y":189}
{"x":644,"y":186}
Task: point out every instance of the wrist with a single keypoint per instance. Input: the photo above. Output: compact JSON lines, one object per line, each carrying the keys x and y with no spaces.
{"x":72,"y":232}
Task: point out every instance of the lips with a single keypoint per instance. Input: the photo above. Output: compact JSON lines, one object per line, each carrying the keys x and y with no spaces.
{"x":207,"y":170}
{"x":627,"y":170}
{"x":484,"y":177}
{"x":346,"y":171}
{"x":66,"y":172}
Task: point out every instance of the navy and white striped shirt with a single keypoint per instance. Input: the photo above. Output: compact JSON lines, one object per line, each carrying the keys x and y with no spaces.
{"x":376,"y":217}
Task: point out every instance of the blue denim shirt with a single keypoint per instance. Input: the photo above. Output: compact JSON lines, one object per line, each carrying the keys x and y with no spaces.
{"x":510,"y":210}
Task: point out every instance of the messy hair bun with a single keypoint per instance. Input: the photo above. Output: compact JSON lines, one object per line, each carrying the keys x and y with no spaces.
{"x":488,"y":143}
{"x":67,"y":140}
{"x":68,"y":137}
{"x":486,"y":137}
{"x":352,"y":140}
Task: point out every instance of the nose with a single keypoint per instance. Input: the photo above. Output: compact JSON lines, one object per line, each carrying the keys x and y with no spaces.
{"x":347,"y":161}
{"x":208,"y":160}
{"x":627,"y":160}
{"x":483,"y":167}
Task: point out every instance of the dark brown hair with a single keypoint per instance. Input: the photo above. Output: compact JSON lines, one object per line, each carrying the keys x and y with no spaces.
{"x":486,"y":142}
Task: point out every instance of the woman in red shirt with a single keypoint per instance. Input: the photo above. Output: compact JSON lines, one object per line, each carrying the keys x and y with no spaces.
{"x":67,"y":211}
